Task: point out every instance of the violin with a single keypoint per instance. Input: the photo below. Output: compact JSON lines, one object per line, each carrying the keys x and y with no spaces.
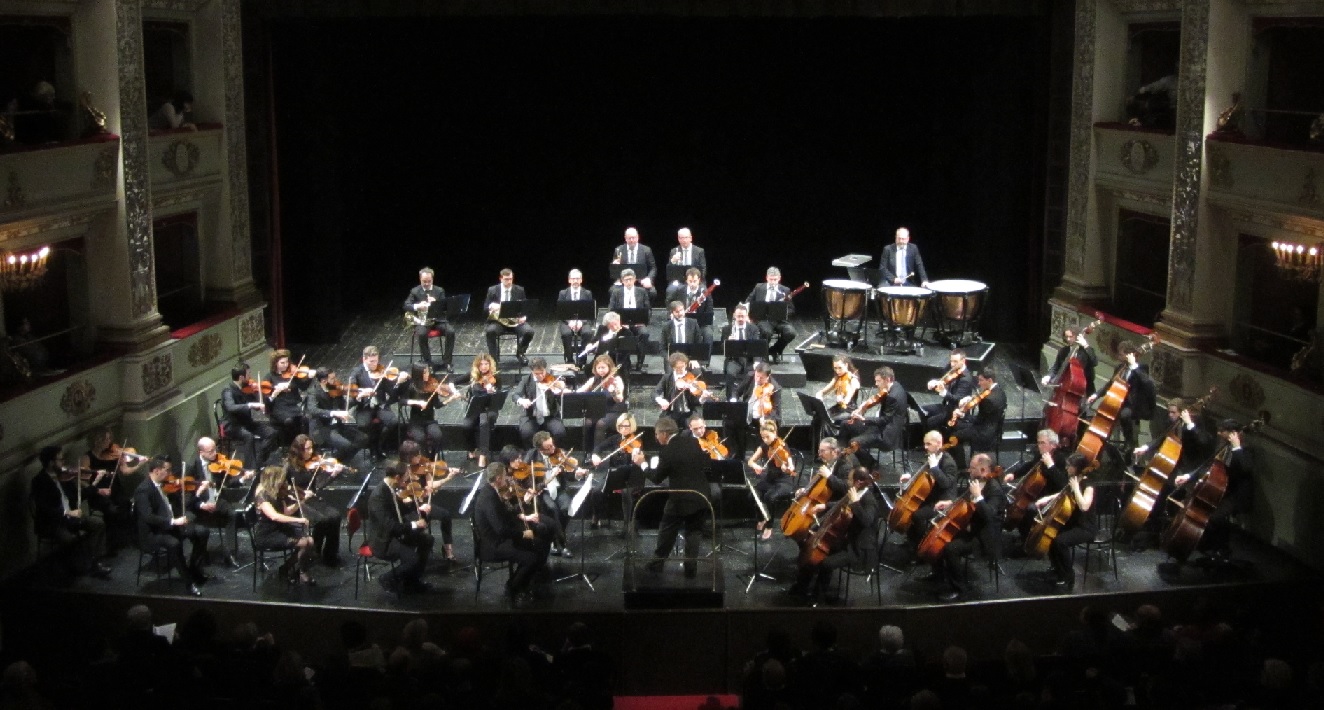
{"x":695,"y":385}
{"x":713,"y":446}
{"x":560,"y":459}
{"x":840,"y":389}
{"x":947,"y":379}
{"x":115,"y":451}
{"x":326,"y":463}
{"x":763,"y":396}
{"x":553,"y":383}
{"x":175,"y":484}
{"x":226,"y":465}
{"x":250,"y":387}
{"x":868,"y":404}
{"x":779,"y":455}
{"x":969,"y":405}
{"x":333,"y":387}
{"x":487,"y":381}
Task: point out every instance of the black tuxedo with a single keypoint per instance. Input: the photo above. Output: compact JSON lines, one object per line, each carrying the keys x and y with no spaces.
{"x":698,"y":259}
{"x":985,"y":530}
{"x":980,"y":429}
{"x":683,"y":464}
{"x":861,"y":544}
{"x":373,"y":415}
{"x":881,"y":431}
{"x":571,"y":341}
{"x":616,"y":302}
{"x":156,"y":533}
{"x":493,"y":328}
{"x":936,"y":416}
{"x":259,"y":437}
{"x":326,"y":431}
{"x":784,"y":331}
{"x":746,"y":391}
{"x":529,"y":423}
{"x":223,"y":516}
{"x":391,"y":536}
{"x":914,"y":266}
{"x":500,"y":537}
{"x":286,"y":406}
{"x":683,"y":406}
{"x":691,"y":332}
{"x":434,"y":316}
{"x":1139,"y":402}
{"x":737,"y":367}
{"x":48,"y":498}
{"x":944,"y":488}
{"x":643,"y":256}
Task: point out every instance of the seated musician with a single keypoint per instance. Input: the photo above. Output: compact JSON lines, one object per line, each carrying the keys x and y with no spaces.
{"x":835,"y":466}
{"x":942,"y":467}
{"x":209,"y":509}
{"x":679,"y":330}
{"x":57,"y":516}
{"x":159,"y":528}
{"x":109,"y":494}
{"x":739,"y":328}
{"x":686,"y":254}
{"x":285,"y":403}
{"x":1080,"y":528}
{"x":1140,"y":396}
{"x":1195,"y":449}
{"x":859,"y":547}
{"x":504,"y":532}
{"x":771,"y":291}
{"x":376,"y":392}
{"x":684,"y":466}
{"x":425,"y":307}
{"x":478,"y":422}
{"x":627,"y":461}
{"x":540,"y":401}
{"x":688,"y":293}
{"x":774,"y":483}
{"x":980,"y":429}
{"x":882,"y":431}
{"x":280,"y":525}
{"x":606,"y":341}
{"x":632,"y":252}
{"x":628,"y":295}
{"x":418,"y":467}
{"x":497,"y":295}
{"x":554,"y":499}
{"x":677,"y":397}
{"x":399,"y":531}
{"x":1237,"y":499}
{"x":954,"y":386}
{"x":603,"y":378}
{"x":839,"y":393}
{"x":329,"y":422}
{"x":574,"y":333}
{"x":308,"y":475}
{"x":763,"y":400}
{"x":422,"y":396}
{"x":241,"y":400}
{"x":985,"y":529}
{"x":1051,"y":462}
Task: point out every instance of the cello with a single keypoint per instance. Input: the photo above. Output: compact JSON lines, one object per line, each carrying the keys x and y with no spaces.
{"x":951,"y":523}
{"x":831,"y":533}
{"x":1024,"y":494}
{"x":1062,"y":410}
{"x":1185,"y":531}
{"x":799,"y":517}
{"x":1150,"y":484}
{"x":910,"y":500}
{"x":1109,"y":409}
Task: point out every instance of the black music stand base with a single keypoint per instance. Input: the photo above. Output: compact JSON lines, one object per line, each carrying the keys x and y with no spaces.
{"x":581,"y":574}
{"x":756,"y":573}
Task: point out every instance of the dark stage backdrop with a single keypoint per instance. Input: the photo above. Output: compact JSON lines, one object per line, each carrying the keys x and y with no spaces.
{"x":531,"y":143}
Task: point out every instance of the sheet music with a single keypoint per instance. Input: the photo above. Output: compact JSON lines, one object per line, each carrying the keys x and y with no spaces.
{"x":580,"y":496}
{"x":469,"y":499}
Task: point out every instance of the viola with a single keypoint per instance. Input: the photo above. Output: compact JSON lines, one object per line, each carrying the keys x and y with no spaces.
{"x":175,"y":484}
{"x":953,"y":522}
{"x":947,"y":379}
{"x":713,"y":446}
{"x":1062,"y":411}
{"x":698,"y":301}
{"x":1161,"y":464}
{"x":226,"y":465}
{"x":969,"y":405}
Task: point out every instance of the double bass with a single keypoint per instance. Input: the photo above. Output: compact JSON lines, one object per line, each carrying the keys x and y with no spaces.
{"x":910,"y":500}
{"x":1109,"y":409}
{"x":1150,"y":484}
{"x":831,"y":533}
{"x":1185,"y":531}
{"x":951,"y":523}
{"x":1070,"y":387}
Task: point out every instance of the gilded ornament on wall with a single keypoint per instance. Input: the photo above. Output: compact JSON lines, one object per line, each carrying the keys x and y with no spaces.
{"x":181,"y":157}
{"x":1139,"y":156}
{"x":1166,"y":367}
{"x":205,"y":349}
{"x":78,"y":398}
{"x":252,"y":330}
{"x":103,"y":169}
{"x":1246,"y":391}
{"x":157,"y":373}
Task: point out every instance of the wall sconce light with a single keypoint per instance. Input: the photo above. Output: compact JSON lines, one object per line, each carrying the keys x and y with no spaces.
{"x":19,"y":272}
{"x":1299,"y":261}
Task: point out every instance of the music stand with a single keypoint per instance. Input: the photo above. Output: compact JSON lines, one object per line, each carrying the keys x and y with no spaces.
{"x":775,"y":311}
{"x":725,"y":472}
{"x":483,"y":401}
{"x":1028,"y":380}
{"x":694,"y":351}
{"x":590,"y":406}
{"x":582,"y":574}
{"x":616,"y":269}
{"x":613,"y":479}
{"x":704,"y":318}
{"x":457,"y":307}
{"x":581,"y":310}
{"x":745,"y":349}
{"x":873,"y":277}
{"x":676,"y":272}
{"x":517,"y":309}
{"x":634,"y":316}
{"x":815,"y":406}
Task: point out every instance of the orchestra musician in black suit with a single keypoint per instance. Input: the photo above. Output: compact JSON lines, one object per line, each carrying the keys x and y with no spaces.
{"x":683,"y":464}
{"x":574,"y":333}
{"x":56,"y":516}
{"x":330,"y":423}
{"x":285,"y":401}
{"x":960,"y":384}
{"x":240,"y":407}
{"x":629,"y":295}
{"x":614,"y":459}
{"x":505,"y":532}
{"x":541,"y":403}
{"x":676,"y":397}
{"x":1140,"y":394}
{"x":399,"y":531}
{"x":860,"y":545}
{"x":1196,"y":446}
{"x":690,"y":292}
{"x":686,"y":254}
{"x":604,"y":379}
{"x":159,"y":528}
{"x":901,"y":262}
{"x":554,"y":499}
{"x":772,"y":291}
{"x":759,"y":405}
{"x":632,"y":252}
{"x":942,"y":467}
{"x":1239,"y":496}
{"x":738,"y":327}
{"x":884,"y":430}
{"x":496,"y":295}
{"x":376,"y":393}
{"x":425,"y":306}
{"x":604,"y":342}
{"x":985,"y":528}
{"x":980,"y":429}
{"x":679,"y":330}
{"x":1051,"y":458}
{"x":206,"y":505}
{"x":1084,"y":353}
{"x":308,"y":473}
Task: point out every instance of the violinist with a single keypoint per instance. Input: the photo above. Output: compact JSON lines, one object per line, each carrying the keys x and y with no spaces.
{"x":478,"y":422}
{"x":603,"y":378}
{"x":772,"y":291}
{"x":686,"y":254}
{"x":773,"y":464}
{"x":1084,"y":353}
{"x":739,"y":328}
{"x":761,"y":394}
{"x":987,"y":496}
{"x":159,"y":528}
{"x":1237,"y":499}
{"x":280,"y":524}
{"x":423,"y":396}
{"x":56,"y":516}
{"x":285,"y":401}
{"x":505,"y":533}
{"x":397,"y":531}
{"x":839,"y":393}
{"x":574,"y":333}
{"x":303,"y":470}
{"x":684,"y":466}
{"x":505,"y":291}
{"x":942,"y":467}
{"x":957,"y":384}
{"x":626,"y":296}
{"x":242,"y":401}
{"x":209,"y":509}
{"x":679,"y":330}
{"x":1082,"y":526}
{"x":1140,"y":396}
{"x":425,"y":306}
{"x":1052,"y":459}
{"x":416,"y":469}
{"x":884,"y":430}
{"x":377,"y":387}
{"x":637,"y":255}
{"x":680,"y":392}
{"x":330,"y":423}
{"x":109,"y":495}
{"x":554,"y":498}
{"x":980,"y":429}
{"x":617,"y":458}
{"x":538,"y":394}
{"x":710,"y":442}
{"x":861,"y":543}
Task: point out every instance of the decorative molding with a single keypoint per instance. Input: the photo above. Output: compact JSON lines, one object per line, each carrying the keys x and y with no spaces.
{"x":47,"y":224}
{"x":133,"y":138}
{"x":103,"y":169}
{"x":252,"y":330}
{"x":1309,"y":193}
{"x":1166,"y":368}
{"x":204,"y":350}
{"x":1135,"y":6}
{"x":1246,"y":391}
{"x":14,"y":195}
{"x":1147,"y":198}
{"x":1190,"y":146}
{"x":1059,"y":323}
{"x":1082,"y":135}
{"x":78,"y":398}
{"x":165,"y":199}
{"x":157,"y":373}
{"x":1139,"y":156}
{"x":1220,"y":168}
{"x":177,"y":5}
{"x":236,"y":151}
{"x":1296,"y":225}
{"x":181,"y":157}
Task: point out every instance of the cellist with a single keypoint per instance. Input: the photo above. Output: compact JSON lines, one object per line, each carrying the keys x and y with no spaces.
{"x":1082,"y":526}
{"x":861,"y":542}
{"x":985,"y":528}
{"x":942,"y":467}
{"x":1051,"y":463}
{"x":1239,"y":494}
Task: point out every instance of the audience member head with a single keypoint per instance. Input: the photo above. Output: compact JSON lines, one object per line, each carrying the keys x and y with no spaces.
{"x":891,"y":639}
{"x":954,"y":661}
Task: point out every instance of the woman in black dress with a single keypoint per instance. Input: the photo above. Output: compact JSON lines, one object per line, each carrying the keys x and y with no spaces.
{"x":280,"y":524}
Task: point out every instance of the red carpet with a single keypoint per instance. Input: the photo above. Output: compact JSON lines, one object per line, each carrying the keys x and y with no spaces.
{"x":677,"y":702}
